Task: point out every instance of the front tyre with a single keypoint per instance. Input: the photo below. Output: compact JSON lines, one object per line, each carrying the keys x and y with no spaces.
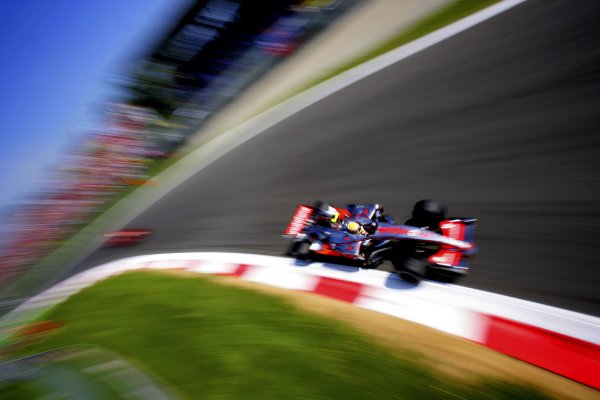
{"x":300,"y":250}
{"x":411,"y":270}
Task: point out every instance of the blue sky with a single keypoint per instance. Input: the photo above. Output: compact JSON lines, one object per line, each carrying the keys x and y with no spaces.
{"x":56,"y":61}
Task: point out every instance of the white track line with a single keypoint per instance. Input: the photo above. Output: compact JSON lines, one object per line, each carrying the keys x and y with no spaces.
{"x":430,"y":303}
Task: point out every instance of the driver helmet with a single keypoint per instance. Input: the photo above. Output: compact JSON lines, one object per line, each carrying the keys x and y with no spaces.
{"x":353,"y":227}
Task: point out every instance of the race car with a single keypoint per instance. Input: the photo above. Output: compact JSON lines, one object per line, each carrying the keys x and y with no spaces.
{"x":126,"y":237}
{"x":428,"y":244}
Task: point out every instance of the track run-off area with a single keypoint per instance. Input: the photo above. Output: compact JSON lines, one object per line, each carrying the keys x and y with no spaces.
{"x":560,"y":341}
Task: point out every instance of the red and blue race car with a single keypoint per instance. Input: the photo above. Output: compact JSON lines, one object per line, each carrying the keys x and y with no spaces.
{"x":429,"y":244}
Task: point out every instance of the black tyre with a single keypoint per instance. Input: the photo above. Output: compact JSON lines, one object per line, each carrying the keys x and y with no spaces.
{"x":320,"y":205}
{"x":300,"y":250}
{"x":427,"y":213}
{"x":411,"y":270}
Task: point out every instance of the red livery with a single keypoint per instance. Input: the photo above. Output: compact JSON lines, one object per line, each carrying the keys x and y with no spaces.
{"x":126,"y":237}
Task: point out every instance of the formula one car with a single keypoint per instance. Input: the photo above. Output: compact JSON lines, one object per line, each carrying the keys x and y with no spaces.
{"x":126,"y":237}
{"x":428,"y":244}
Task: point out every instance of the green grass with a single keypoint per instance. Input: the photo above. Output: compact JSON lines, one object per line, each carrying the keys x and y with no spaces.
{"x":54,"y":380}
{"x":207,"y":340}
{"x":76,"y":372}
{"x":20,"y":390}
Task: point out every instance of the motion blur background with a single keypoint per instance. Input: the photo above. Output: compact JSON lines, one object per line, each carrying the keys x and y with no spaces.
{"x":500,"y":122}
{"x":151,"y":74}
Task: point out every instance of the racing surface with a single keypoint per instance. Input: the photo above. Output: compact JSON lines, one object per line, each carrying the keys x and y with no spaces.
{"x":500,"y":122}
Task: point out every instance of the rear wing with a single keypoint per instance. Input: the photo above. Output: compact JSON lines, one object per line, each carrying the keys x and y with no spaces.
{"x":462,"y":229}
{"x":299,"y":220}
{"x":459,"y":229}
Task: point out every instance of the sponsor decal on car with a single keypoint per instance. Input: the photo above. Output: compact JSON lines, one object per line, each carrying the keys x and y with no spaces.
{"x":297,"y":223}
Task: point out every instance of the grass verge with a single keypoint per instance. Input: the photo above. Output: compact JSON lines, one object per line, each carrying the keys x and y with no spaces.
{"x":204,"y":339}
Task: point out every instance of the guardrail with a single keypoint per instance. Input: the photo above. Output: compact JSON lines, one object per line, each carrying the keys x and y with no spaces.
{"x":561,"y":341}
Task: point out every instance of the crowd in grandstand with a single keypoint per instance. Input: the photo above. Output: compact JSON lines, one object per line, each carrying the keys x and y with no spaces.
{"x":218,"y":48}
{"x":92,"y":174}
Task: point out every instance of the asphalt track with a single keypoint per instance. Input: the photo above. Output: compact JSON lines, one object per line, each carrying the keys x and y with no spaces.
{"x":500,"y":122}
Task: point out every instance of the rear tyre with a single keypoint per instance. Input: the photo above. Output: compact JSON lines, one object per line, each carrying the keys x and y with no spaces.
{"x":427,"y":213}
{"x":411,"y":270}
